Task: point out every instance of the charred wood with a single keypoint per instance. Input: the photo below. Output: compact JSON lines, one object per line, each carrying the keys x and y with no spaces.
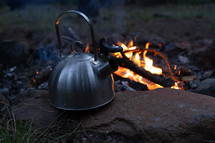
{"x":40,"y":77}
{"x":131,"y":83}
{"x":126,"y":86}
{"x":156,"y":53}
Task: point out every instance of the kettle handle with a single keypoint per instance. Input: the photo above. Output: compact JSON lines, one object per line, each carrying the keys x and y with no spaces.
{"x":89,"y":24}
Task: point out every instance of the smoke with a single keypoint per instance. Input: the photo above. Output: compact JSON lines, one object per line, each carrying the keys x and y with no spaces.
{"x":47,"y":50}
{"x":48,"y":53}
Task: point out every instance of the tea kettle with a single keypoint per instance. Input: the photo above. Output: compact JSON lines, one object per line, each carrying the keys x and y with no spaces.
{"x":82,"y":81}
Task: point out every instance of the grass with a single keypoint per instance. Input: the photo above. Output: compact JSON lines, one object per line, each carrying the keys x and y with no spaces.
{"x":17,"y":131}
{"x":174,"y":11}
{"x":33,"y":17}
{"x":42,"y":17}
{"x":130,"y":16}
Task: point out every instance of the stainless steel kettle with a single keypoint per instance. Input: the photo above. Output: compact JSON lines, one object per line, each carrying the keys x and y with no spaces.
{"x":83,"y":81}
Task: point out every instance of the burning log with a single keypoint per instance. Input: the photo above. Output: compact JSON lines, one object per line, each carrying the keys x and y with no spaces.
{"x":121,"y":81}
{"x":156,"y":53}
{"x":161,"y":80}
{"x":40,"y":77}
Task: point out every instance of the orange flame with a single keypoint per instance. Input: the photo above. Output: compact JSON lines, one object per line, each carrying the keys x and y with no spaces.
{"x":141,"y":60}
{"x":178,"y":85}
{"x":87,"y":48}
{"x":149,"y":63}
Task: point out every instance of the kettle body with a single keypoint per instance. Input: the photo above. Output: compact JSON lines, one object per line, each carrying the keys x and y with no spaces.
{"x":76,"y":83}
{"x":82,"y":81}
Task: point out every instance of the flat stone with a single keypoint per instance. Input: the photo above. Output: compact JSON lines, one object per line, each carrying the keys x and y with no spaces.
{"x":161,"y":115}
{"x":34,"y":105}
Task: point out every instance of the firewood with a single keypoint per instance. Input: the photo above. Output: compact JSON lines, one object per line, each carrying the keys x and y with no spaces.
{"x":43,"y":75}
{"x":126,"y":86}
{"x":159,"y":79}
{"x":186,"y":78}
{"x":156,"y":53}
{"x":133,"y":84}
{"x":71,"y":33}
{"x":40,"y":77}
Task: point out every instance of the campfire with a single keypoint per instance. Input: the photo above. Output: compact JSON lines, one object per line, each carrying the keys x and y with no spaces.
{"x":133,"y":60}
{"x":135,"y":65}
{"x":139,"y":57}
{"x":141,"y":60}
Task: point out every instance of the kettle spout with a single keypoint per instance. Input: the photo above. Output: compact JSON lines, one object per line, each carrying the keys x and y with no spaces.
{"x":108,"y":67}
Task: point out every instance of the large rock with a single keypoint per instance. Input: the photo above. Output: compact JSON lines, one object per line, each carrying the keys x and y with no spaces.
{"x":34,"y":105}
{"x":207,"y":87}
{"x":161,"y":115}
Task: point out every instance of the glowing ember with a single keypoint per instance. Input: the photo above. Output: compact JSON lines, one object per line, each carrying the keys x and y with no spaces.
{"x":141,"y":60}
{"x":126,"y":73}
{"x":178,"y":85}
